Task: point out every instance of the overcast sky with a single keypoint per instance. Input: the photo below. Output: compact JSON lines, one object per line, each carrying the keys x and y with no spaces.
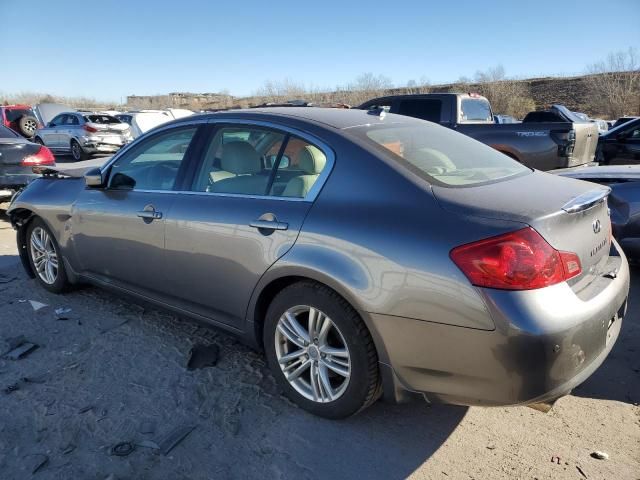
{"x":110,"y":49}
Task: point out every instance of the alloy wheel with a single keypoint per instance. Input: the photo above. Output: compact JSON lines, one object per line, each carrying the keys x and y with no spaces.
{"x":30,"y":126}
{"x":75,"y":151}
{"x":312,"y":354}
{"x":44,"y":255}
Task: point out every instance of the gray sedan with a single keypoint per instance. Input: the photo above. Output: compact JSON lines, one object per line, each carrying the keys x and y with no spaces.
{"x":366,"y":253}
{"x":84,"y":134}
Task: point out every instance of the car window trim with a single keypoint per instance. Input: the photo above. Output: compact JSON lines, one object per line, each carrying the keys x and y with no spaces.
{"x":213,"y":124}
{"x":106,"y":169}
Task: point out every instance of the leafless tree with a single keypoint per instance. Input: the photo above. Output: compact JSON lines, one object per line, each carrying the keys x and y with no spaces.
{"x":507,"y":96}
{"x":614,"y":83}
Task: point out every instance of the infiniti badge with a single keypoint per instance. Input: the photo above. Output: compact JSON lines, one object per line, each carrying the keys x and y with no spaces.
{"x":596,"y":226}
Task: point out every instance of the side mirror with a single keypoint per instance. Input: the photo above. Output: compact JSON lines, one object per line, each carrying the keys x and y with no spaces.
{"x":93,"y":178}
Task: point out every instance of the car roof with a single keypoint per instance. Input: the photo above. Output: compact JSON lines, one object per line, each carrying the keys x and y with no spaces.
{"x":339,"y":118}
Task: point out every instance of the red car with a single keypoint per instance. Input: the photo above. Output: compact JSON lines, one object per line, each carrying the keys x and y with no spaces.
{"x":19,"y":118}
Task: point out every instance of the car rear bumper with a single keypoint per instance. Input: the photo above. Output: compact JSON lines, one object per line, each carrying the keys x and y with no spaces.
{"x":98,"y":145}
{"x":546,"y":342}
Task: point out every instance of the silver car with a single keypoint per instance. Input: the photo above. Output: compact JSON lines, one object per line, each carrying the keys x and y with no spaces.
{"x":366,"y":253}
{"x":84,"y":134}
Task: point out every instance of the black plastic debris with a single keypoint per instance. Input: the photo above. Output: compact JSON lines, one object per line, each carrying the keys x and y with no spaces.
{"x":173,"y":438}
{"x":11,"y":388}
{"x":202,"y":356}
{"x":122,"y":449}
{"x":19,"y":347}
{"x":85,"y":409}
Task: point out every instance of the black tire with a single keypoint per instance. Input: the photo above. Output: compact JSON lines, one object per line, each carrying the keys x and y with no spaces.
{"x":27,"y":126}
{"x":38,"y":140}
{"x":77,"y":152}
{"x":363,"y":387}
{"x":61,"y":282}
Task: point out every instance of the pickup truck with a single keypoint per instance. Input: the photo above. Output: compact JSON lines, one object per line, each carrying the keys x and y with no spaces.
{"x":567,"y":141}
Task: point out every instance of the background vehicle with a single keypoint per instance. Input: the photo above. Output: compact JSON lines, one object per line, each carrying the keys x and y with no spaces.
{"x":624,"y":200}
{"x":275,"y":231}
{"x":504,"y":119}
{"x":84,"y":135}
{"x":544,"y":146}
{"x":142,"y":121}
{"x":622,"y":120}
{"x":17,"y":158}
{"x":620,"y":145}
{"x":19,"y":118}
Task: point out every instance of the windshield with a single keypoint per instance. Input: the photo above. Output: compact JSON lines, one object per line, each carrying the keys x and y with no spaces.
{"x":439,"y":155}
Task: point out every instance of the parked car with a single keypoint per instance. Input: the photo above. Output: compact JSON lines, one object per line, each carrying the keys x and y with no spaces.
{"x":622,"y":120}
{"x":84,"y":134}
{"x":620,"y":145}
{"x":143,"y":121}
{"x":504,"y":119}
{"x":624,"y":200}
{"x":19,"y":118}
{"x":544,"y":146}
{"x":18,"y":156}
{"x":341,"y":242}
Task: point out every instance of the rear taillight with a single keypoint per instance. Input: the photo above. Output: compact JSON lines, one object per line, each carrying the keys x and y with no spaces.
{"x":90,"y":129}
{"x":520,"y":260}
{"x":42,"y":157}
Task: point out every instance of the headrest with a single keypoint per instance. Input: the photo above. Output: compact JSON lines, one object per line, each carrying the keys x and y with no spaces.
{"x":311,"y":160}
{"x":240,"y":158}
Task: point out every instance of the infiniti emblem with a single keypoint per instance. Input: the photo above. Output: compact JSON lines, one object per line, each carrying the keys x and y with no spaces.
{"x":596,"y":226}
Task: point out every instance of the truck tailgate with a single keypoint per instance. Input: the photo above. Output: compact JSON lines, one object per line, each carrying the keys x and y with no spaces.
{"x":586,"y":143}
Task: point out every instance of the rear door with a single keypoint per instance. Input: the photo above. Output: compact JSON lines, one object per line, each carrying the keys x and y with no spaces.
{"x":118,"y":231}
{"x":242,"y":210}
{"x":70,"y":129}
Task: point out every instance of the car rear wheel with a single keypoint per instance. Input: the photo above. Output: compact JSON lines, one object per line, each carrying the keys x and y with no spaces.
{"x":45,"y":258}
{"x":28,"y":126}
{"x":77,"y":152}
{"x":320,"y":351}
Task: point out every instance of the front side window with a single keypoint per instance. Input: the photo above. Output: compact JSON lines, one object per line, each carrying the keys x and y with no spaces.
{"x":71,"y":120}
{"x":58,"y":120}
{"x":439,"y":155}
{"x":258,"y":161}
{"x":430,"y":110}
{"x":154,"y":164}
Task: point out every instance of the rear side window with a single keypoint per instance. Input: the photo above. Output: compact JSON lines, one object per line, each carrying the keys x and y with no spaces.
{"x":102,"y":119}
{"x":475,"y":110}
{"x":439,"y":155}
{"x":259,"y":161}
{"x":430,"y":110}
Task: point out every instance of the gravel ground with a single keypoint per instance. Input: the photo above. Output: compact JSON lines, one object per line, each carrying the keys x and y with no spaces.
{"x":116,"y":372}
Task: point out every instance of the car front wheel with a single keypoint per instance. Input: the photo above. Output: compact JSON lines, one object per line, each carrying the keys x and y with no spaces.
{"x":45,"y":258}
{"x":320,"y":351}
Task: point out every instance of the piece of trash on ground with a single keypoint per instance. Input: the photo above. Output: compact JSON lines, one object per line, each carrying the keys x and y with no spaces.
{"x":581,"y":472}
{"x":37,"y":306}
{"x":122,"y":449}
{"x":19,"y":347}
{"x":37,"y":462}
{"x":173,"y":438}
{"x":202,"y":356}
{"x":148,"y":444}
{"x":62,"y":313}
{"x":600,"y":455}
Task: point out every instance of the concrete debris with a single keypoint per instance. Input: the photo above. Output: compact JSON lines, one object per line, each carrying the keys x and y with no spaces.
{"x":62,"y":313}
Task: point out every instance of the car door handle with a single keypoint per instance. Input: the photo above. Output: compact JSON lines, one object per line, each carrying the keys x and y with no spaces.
{"x":151,"y":214}
{"x":269,"y":225}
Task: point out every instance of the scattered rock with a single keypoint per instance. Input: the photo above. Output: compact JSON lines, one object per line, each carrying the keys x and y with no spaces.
{"x":600,"y":455}
{"x":202,"y":356}
{"x":62,"y":313}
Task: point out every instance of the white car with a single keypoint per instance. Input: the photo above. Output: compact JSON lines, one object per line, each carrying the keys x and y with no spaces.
{"x":142,"y":121}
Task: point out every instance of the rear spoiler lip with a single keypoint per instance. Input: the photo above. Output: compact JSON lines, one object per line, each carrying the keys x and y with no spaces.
{"x":586,"y":200}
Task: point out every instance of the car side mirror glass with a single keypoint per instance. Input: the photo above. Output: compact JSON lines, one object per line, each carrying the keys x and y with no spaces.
{"x":93,"y":178}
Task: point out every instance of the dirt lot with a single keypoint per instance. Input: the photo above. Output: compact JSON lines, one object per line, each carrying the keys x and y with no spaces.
{"x":116,"y":372}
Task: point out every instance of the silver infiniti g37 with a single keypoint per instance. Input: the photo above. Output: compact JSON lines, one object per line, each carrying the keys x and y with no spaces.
{"x":366,"y":253}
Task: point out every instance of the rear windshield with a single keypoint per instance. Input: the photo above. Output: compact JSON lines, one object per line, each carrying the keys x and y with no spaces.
{"x":17,"y":113}
{"x":439,"y":155}
{"x":475,"y":110}
{"x":101,"y":119}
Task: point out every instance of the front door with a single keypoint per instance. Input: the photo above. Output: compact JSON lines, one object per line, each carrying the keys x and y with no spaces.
{"x":247,"y":200}
{"x":628,"y":146}
{"x":49,"y":134}
{"x":118,"y":231}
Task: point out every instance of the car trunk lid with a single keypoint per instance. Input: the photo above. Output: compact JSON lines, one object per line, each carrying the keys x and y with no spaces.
{"x":571,"y":215}
{"x":13,"y":151}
